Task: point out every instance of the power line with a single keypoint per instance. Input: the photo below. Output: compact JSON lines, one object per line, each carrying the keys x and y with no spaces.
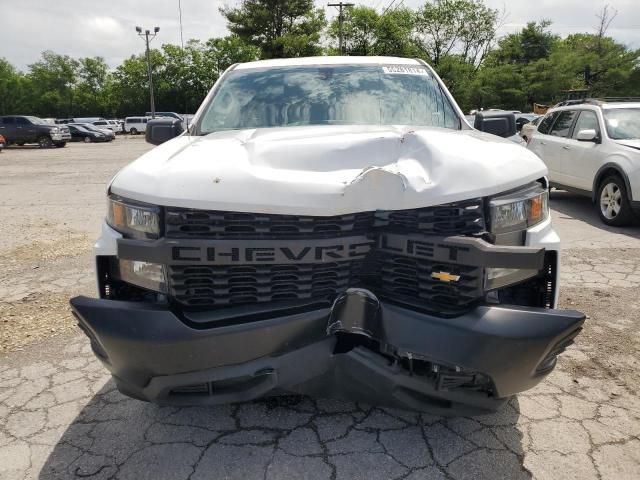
{"x":388,"y":6}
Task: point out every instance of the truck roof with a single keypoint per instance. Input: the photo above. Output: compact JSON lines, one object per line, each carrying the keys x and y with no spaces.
{"x":327,"y":60}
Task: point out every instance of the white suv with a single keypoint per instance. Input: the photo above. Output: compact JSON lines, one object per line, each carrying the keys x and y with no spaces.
{"x":594,"y":148}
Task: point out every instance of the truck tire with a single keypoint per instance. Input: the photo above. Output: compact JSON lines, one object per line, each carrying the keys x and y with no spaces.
{"x":133,"y":131}
{"x":45,"y":141}
{"x":613,"y":202}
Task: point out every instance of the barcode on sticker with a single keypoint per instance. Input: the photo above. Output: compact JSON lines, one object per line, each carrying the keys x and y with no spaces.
{"x":405,"y":70}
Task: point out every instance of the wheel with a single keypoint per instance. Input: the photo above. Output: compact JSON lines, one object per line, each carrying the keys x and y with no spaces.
{"x":60,"y":144}
{"x":86,"y":139}
{"x":613,"y":202}
{"x":133,"y":131}
{"x":45,"y":142}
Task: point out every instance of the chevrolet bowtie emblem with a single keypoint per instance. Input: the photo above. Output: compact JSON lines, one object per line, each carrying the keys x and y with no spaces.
{"x":445,"y":277}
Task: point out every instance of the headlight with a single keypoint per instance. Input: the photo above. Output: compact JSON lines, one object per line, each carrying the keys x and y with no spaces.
{"x":519,"y":210}
{"x":54,"y":130}
{"x":151,"y":276}
{"x":132,"y":219}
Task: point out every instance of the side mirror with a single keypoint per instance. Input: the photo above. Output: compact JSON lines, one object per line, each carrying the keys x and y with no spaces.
{"x":589,"y":135}
{"x":502,"y":124}
{"x":159,"y":130}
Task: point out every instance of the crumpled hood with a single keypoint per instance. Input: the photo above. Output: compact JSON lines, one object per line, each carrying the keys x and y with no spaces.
{"x":327,"y":170}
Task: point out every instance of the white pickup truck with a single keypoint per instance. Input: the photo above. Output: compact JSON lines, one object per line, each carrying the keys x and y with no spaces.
{"x":329,"y":226}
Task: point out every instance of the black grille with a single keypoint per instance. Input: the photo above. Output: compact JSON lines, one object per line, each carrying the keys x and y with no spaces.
{"x":398,"y":278}
{"x":210,"y":286}
{"x":462,"y":218}
{"x":410,"y":281}
{"x":186,"y":223}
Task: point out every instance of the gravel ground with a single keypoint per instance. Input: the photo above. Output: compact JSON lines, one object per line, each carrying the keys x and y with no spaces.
{"x":60,"y":416}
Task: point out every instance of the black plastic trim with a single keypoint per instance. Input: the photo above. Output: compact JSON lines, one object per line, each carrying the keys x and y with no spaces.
{"x":145,"y":345}
{"x":456,"y":249}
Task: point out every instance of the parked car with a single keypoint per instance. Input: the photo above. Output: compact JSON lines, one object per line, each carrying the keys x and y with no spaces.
{"x":593,"y":148}
{"x":348,"y":236}
{"x":22,"y":129}
{"x":105,"y":125}
{"x":107,"y":132}
{"x":167,"y":114}
{"x":3,"y":143}
{"x":135,"y":125}
{"x":528,"y":128}
{"x":118,"y":125}
{"x":86,"y":119}
{"x":81,"y":134}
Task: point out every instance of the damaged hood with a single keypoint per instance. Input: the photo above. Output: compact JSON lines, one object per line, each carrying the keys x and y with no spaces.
{"x":327,"y":170}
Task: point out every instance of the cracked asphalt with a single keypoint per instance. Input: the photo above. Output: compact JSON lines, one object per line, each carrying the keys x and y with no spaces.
{"x":61,"y":417}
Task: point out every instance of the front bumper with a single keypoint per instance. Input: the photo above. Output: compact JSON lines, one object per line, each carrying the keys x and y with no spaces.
{"x":158,"y":355}
{"x":61,"y":137}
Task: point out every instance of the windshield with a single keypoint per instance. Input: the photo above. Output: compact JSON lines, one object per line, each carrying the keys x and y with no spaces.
{"x":622,"y":123}
{"x":329,"y":95}
{"x":37,"y":121}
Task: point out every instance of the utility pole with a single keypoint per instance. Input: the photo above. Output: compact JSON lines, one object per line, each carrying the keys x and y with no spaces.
{"x":145,"y":36}
{"x":340,"y":6}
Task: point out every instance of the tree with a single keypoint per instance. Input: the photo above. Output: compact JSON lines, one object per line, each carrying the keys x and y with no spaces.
{"x":12,"y":86}
{"x":279,"y":28}
{"x":466,"y":28}
{"x":359,"y":30}
{"x":89,"y":93}
{"x":53,"y":79}
{"x":532,"y":43}
{"x":366,"y":32}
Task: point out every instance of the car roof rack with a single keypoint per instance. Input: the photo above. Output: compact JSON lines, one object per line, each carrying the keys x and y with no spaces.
{"x":596,"y":101}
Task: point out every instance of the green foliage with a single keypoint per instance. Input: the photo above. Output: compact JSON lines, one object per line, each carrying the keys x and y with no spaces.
{"x":279,"y":28}
{"x":534,"y":42}
{"x":456,"y":36}
{"x":366,"y":32}
{"x":465,"y":28}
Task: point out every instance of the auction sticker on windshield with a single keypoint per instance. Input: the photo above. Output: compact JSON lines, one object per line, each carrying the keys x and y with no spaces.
{"x":404,"y":70}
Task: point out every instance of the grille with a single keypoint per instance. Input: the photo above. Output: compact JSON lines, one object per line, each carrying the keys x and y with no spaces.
{"x":210,"y":286}
{"x":186,"y":223}
{"x":402,"y":279}
{"x":462,"y":218}
{"x":409,"y":281}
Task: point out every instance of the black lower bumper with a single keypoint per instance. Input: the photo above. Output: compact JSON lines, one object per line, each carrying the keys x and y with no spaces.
{"x":154,"y":355}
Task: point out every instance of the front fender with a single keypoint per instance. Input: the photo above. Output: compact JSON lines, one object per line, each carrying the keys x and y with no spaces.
{"x":628,"y":170}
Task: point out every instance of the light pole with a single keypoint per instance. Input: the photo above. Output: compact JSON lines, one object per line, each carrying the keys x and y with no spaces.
{"x":148,"y":36}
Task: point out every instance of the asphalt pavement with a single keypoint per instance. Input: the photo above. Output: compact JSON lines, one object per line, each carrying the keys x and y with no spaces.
{"x":61,"y":417}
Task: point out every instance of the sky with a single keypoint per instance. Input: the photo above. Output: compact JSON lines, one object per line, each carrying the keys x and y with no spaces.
{"x":106,"y":28}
